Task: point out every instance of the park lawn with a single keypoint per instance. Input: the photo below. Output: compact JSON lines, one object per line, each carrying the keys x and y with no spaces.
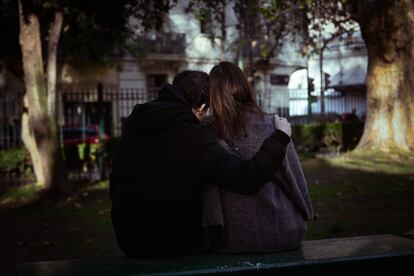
{"x":361,"y":193}
{"x":354,"y":194}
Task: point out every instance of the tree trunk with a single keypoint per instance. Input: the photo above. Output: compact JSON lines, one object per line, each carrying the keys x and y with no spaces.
{"x":53,"y":39}
{"x":223,"y":27}
{"x":321,"y":86}
{"x":388,"y":31}
{"x":39,"y":127}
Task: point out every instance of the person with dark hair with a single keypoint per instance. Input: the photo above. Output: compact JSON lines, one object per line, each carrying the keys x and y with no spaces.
{"x":350,"y":117}
{"x":274,"y":218}
{"x":194,"y":85}
{"x":164,"y":158}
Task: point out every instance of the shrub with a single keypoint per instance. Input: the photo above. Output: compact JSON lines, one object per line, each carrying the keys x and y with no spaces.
{"x":327,"y":137}
{"x":82,"y":157}
{"x":16,"y":161}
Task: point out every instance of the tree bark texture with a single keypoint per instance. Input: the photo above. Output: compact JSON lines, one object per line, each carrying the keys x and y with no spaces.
{"x":388,"y":31}
{"x":53,"y":42}
{"x":39,"y":128}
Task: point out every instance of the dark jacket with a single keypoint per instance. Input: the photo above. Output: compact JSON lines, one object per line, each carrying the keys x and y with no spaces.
{"x":165,"y":155}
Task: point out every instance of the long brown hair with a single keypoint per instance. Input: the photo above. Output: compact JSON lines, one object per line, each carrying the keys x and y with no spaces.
{"x":231,"y":98}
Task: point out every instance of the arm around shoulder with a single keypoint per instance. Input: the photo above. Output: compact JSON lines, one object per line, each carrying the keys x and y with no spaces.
{"x":232,"y":173}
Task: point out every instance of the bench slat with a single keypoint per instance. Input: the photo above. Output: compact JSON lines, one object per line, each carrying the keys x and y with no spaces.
{"x":375,"y":253}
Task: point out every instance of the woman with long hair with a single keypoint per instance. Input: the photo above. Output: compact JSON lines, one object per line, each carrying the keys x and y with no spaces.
{"x":272,"y":219}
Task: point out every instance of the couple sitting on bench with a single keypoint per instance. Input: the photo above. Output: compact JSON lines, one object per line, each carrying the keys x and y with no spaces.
{"x":185,"y":183}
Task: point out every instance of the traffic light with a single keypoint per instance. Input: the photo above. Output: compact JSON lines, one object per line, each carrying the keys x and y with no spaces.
{"x":327,"y":80}
{"x":311,"y":85}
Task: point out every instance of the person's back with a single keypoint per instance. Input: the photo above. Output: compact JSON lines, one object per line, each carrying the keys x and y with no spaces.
{"x":156,"y":150}
{"x":274,"y":219}
{"x":165,"y":155}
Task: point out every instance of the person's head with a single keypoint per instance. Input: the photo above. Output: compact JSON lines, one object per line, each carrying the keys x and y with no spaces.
{"x":194,"y":85}
{"x":231,"y":98}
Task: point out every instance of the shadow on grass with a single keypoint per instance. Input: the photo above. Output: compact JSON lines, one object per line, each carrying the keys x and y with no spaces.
{"x":352,"y":195}
{"x":58,"y":226}
{"x":358,"y":199}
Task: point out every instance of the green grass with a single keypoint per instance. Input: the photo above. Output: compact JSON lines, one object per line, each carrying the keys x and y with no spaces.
{"x":359,"y":193}
{"x":50,"y":226}
{"x":321,"y":193}
{"x":367,"y":160}
{"x":20,"y":195}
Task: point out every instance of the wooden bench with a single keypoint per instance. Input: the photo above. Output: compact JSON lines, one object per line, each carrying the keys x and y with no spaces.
{"x":368,"y":254}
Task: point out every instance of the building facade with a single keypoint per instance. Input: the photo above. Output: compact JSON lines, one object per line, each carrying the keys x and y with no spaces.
{"x":181,"y":45}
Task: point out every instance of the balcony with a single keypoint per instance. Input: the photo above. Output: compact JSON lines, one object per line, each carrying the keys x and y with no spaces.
{"x":160,"y":46}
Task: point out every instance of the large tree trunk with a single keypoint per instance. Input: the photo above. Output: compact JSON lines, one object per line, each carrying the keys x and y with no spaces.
{"x":388,"y":31}
{"x":53,"y":41}
{"x":39,"y":127}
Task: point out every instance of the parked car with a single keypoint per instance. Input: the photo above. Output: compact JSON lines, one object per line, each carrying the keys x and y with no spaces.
{"x":84,"y":150}
{"x":73,"y":135}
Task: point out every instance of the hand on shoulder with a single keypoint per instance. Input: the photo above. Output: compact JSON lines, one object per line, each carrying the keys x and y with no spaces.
{"x":282,"y":124}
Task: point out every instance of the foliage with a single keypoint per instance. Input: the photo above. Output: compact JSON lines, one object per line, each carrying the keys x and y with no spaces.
{"x":211,"y":14}
{"x":278,"y":22}
{"x":90,"y":31}
{"x":15,"y":161}
{"x":20,"y":195}
{"x":82,"y":156}
{"x":263,"y":25}
{"x":327,"y":137}
{"x":86,"y":156}
{"x":10,"y":55}
{"x":93,"y":30}
{"x":98,"y":30}
{"x":329,"y":20}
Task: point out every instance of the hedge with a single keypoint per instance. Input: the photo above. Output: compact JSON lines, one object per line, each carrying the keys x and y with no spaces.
{"x":16,"y":161}
{"x":327,"y":137}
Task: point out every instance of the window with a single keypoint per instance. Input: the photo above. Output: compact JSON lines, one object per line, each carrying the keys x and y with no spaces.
{"x":279,"y":79}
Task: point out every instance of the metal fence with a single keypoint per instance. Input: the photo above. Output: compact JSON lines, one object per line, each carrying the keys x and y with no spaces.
{"x":80,"y":107}
{"x":90,"y":107}
{"x":11,"y":109}
{"x":299,"y":108}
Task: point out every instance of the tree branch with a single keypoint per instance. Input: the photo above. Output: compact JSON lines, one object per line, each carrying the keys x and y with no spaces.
{"x":53,"y":42}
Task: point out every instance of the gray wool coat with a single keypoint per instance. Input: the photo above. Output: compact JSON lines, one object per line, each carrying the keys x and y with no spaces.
{"x":272,"y":220}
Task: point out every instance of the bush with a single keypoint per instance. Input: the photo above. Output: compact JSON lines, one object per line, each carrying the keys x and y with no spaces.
{"x":82,"y":157}
{"x":16,"y":161}
{"x":327,"y":137}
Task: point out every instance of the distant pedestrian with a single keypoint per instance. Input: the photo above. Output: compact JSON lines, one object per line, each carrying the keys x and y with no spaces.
{"x":350,"y":117}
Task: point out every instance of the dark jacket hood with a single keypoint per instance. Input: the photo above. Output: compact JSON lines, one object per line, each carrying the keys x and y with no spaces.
{"x":168,"y":110}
